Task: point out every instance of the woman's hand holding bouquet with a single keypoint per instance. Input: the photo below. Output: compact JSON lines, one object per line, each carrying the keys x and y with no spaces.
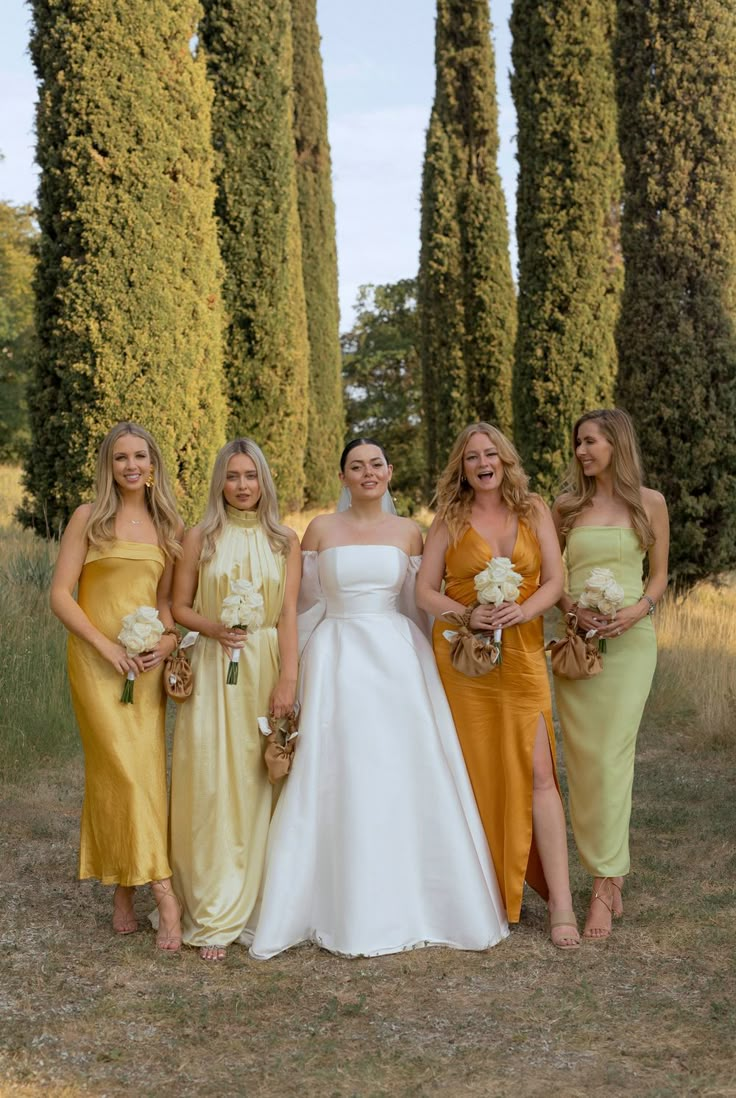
{"x":140,"y":635}
{"x":241,"y":610}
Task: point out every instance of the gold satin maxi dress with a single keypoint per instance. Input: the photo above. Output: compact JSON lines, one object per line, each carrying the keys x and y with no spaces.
{"x":124,"y":818}
{"x":496,"y":716}
{"x":221,"y":799}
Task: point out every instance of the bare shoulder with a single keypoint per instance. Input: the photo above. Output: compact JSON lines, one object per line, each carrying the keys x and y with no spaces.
{"x":81,"y":515}
{"x":539,"y":505}
{"x":193,"y":537}
{"x":654,"y":502}
{"x":316,"y":531}
{"x":411,"y":531}
{"x":76,"y":527}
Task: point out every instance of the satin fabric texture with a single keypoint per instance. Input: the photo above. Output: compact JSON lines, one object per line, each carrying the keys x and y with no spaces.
{"x":221,"y":799}
{"x":496,"y":715}
{"x":123,"y":836}
{"x":376,"y":845}
{"x":600,"y":717}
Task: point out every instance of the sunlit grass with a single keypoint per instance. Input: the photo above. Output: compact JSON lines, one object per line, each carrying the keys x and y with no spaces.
{"x":11,"y":492}
{"x":36,"y":721}
{"x":695,"y":684}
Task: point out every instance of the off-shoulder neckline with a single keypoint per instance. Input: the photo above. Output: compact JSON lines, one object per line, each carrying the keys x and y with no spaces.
{"x":371,"y":545}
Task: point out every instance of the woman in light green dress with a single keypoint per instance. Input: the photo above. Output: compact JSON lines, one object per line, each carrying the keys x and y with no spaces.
{"x":605,"y":518}
{"x":221,"y":798}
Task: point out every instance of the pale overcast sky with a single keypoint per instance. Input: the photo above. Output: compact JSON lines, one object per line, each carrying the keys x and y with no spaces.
{"x":379,"y":72}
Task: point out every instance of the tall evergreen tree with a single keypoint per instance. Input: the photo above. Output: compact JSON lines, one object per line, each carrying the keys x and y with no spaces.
{"x":383,"y":391}
{"x":319,"y":256}
{"x":570,"y":272}
{"x":466,"y":293}
{"x":127,"y":287}
{"x":17,"y":261}
{"x":249,"y":58}
{"x":676,"y":339}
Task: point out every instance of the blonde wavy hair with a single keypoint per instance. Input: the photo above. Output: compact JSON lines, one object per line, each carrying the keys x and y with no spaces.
{"x":454,"y":496}
{"x":578,"y":489}
{"x":267,"y":509}
{"x":159,"y":496}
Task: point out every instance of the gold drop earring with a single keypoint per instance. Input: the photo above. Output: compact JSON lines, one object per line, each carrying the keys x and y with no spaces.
{"x":150,"y":482}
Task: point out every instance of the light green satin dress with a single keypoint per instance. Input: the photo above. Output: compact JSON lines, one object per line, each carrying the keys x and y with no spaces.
{"x":600,"y":716}
{"x":221,"y":799}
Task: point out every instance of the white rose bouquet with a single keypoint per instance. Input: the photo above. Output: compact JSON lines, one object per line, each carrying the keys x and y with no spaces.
{"x":497,"y":583}
{"x":141,"y":632}
{"x":601,"y":592}
{"x":241,"y":609}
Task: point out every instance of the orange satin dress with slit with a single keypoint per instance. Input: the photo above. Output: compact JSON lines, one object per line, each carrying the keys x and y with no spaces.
{"x":496,"y":716}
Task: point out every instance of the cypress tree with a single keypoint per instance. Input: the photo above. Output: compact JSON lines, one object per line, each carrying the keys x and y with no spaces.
{"x":676,"y":340}
{"x":570,"y":272}
{"x":17,"y":261}
{"x":466,"y":293}
{"x":249,"y":58}
{"x":127,"y":288}
{"x":319,"y":257}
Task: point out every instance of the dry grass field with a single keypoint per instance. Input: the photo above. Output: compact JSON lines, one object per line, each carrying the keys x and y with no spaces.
{"x":648,"y":1013}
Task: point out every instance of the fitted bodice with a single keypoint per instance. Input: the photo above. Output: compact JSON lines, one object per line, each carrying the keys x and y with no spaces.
{"x":614,"y":547}
{"x":362,"y":579}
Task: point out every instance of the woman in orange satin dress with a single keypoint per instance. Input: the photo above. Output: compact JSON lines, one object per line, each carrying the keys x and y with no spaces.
{"x":503,"y":718}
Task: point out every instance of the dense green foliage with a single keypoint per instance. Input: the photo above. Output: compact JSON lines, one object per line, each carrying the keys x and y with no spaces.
{"x":466,"y":293}
{"x":319,"y":257}
{"x":17,"y":262}
{"x":676,"y":339}
{"x":127,"y":286}
{"x":383,"y":397}
{"x":570,"y":271}
{"x":248,"y":44}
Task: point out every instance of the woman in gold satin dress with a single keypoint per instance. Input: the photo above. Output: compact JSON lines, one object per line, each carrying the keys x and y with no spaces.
{"x":606,"y":519}
{"x":119,"y":552}
{"x":221,"y":798}
{"x":503,"y":718}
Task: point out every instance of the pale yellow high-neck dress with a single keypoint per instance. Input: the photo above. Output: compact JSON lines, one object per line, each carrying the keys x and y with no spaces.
{"x":124,"y":824}
{"x":600,"y":717}
{"x":221,"y":798}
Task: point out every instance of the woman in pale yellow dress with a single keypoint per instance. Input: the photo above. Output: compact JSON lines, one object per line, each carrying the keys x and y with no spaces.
{"x":221,"y":798}
{"x":118,"y":552}
{"x":606,"y":519}
{"x":503,"y":718}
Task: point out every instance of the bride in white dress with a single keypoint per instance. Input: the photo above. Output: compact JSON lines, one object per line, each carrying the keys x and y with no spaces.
{"x":376,"y":845}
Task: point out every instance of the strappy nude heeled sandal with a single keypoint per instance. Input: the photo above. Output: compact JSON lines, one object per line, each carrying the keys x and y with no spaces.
{"x":602,"y":931}
{"x":566,"y":919}
{"x":165,"y":940}
{"x":123,"y":923}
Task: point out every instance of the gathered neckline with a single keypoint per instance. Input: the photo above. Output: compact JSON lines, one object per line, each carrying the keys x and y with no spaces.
{"x":246,"y":519}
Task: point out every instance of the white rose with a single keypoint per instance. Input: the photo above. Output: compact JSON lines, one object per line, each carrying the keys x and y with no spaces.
{"x":510,"y":591}
{"x":500,"y":568}
{"x":614,"y":592}
{"x":598,"y":580}
{"x":488,"y":590}
{"x":147,"y":613}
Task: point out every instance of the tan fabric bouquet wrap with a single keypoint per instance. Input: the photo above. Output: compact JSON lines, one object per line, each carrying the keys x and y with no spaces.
{"x":470,"y":652}
{"x":575,"y":656}
{"x":281,"y":734}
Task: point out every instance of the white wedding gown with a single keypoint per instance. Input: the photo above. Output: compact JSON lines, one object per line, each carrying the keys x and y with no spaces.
{"x":376,"y":845}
